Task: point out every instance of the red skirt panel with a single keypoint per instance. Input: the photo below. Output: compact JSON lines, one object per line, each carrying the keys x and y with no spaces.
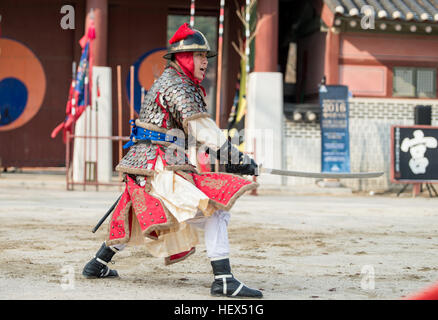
{"x":222,"y":189}
{"x":149,"y":211}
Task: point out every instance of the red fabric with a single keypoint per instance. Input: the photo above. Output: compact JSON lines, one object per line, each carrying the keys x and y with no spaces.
{"x":158,"y":153}
{"x":219,"y":187}
{"x":90,"y":35}
{"x":148,"y":209}
{"x":117,"y":224}
{"x":182,"y":32}
{"x":430,"y":293}
{"x":185,"y":61}
{"x":180,"y":255}
{"x":166,"y":114}
{"x":204,"y":162}
{"x":67,"y":124}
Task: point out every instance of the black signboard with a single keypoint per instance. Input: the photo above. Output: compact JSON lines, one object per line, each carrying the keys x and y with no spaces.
{"x":414,"y":154}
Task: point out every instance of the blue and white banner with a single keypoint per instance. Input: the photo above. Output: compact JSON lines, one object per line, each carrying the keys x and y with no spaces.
{"x":335,"y":140}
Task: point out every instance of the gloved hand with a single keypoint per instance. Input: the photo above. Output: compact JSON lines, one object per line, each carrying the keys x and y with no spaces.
{"x":237,"y":162}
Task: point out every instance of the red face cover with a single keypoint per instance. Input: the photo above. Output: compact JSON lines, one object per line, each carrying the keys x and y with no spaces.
{"x":185,"y":60}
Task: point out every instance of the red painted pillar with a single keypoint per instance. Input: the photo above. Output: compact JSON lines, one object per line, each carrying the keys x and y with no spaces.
{"x":100,"y":12}
{"x":416,"y":189}
{"x":266,"y":40}
{"x":331,"y":59}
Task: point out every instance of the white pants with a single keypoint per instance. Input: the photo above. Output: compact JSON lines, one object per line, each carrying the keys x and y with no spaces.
{"x":215,"y":234}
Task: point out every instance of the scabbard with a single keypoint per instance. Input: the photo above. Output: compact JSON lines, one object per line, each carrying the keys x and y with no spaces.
{"x":106,"y":215}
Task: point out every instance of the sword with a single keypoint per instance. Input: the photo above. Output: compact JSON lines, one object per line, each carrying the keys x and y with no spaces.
{"x":320,"y":175}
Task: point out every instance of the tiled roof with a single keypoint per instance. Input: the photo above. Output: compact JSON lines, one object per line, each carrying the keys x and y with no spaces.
{"x":404,"y":10}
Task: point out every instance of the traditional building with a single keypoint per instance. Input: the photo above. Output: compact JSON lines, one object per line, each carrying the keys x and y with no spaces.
{"x":39,"y":43}
{"x":385,"y":52}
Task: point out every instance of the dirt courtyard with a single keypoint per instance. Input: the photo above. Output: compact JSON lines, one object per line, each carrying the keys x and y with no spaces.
{"x":354,"y":247}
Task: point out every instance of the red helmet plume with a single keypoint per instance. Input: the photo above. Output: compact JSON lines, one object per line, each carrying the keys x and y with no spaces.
{"x":181,"y":33}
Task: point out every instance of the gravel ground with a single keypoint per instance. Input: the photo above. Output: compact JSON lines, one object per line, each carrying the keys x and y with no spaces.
{"x":304,"y":247}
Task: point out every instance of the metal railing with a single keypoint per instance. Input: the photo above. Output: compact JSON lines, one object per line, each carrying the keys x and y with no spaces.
{"x":90,"y":167}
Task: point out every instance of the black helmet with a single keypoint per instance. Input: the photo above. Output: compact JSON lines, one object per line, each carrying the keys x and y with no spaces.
{"x":186,"y":39}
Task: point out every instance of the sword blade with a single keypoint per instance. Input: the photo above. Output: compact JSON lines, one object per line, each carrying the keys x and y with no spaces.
{"x":321,"y":175}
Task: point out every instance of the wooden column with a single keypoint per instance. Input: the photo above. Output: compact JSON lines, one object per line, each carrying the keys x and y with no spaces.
{"x":100,"y":44}
{"x":266,"y":40}
{"x":416,"y":189}
{"x":331,"y":59}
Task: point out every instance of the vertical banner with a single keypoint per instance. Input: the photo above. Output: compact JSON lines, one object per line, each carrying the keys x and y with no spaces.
{"x":335,"y":141}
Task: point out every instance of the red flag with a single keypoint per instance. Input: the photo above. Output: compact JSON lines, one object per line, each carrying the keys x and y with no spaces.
{"x":80,"y":91}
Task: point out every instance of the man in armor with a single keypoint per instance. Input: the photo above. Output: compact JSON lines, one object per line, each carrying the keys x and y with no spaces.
{"x":166,"y":197}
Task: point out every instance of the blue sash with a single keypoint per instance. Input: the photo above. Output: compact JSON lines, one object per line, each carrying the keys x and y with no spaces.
{"x":141,"y":134}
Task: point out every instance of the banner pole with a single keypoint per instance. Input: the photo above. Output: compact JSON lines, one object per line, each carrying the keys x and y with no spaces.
{"x":119,"y":98}
{"x":219,"y":64}
{"x":192,"y":13}
{"x":131,"y":105}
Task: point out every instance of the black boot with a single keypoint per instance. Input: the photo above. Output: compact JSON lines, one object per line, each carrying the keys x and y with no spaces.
{"x":226,"y":285}
{"x":97,"y":267}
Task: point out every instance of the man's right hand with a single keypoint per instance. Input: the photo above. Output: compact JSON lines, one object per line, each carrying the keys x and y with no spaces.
{"x":248,"y":167}
{"x":237,"y":162}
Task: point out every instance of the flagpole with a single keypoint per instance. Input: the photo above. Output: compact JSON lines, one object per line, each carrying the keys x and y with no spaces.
{"x":85,"y":129}
{"x":119,"y":95}
{"x":131,"y":105}
{"x":192,"y":13}
{"x":247,"y":55}
{"x":90,"y":130}
{"x":219,"y":63}
{"x":247,"y":46}
{"x":97,"y":135}
{"x":67,"y":146}
{"x":89,"y":92}
{"x":72,"y":99}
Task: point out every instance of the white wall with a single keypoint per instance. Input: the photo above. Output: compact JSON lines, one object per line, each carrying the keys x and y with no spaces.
{"x":86,"y":124}
{"x":265,"y":122}
{"x":369,"y":125}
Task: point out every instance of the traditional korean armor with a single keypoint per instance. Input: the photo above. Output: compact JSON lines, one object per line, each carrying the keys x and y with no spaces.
{"x":171,"y":102}
{"x":165,"y":195}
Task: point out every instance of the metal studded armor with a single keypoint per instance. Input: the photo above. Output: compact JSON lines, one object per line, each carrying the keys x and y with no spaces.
{"x":155,"y":202}
{"x":170,"y":103}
